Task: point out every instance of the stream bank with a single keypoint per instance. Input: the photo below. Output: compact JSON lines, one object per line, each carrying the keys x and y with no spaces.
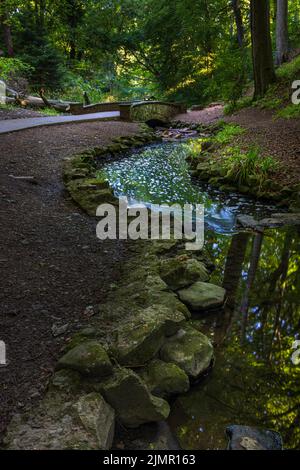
{"x":148,"y":281}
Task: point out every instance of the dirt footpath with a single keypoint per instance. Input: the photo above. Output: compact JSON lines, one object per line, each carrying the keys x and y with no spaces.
{"x":51,"y":264}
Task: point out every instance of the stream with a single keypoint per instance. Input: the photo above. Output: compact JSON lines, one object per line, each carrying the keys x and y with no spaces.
{"x":254,"y":381}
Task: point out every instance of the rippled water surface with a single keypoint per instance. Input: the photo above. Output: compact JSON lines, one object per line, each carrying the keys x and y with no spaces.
{"x":160,"y":175}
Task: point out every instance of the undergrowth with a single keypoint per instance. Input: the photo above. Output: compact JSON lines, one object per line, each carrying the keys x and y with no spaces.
{"x":241,"y":165}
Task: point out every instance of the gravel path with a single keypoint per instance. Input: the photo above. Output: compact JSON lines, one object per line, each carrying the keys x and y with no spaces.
{"x":14,"y":125}
{"x":51,"y":264}
{"x":279,"y":138}
{"x":205,"y":116}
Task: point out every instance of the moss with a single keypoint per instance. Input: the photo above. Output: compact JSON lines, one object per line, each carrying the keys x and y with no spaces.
{"x":132,"y":401}
{"x":182,"y":271}
{"x":88,"y":358}
{"x":165,"y":379}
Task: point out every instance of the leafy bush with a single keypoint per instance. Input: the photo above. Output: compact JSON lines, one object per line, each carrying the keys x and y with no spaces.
{"x":291,"y":111}
{"x":240,"y":104}
{"x":12,"y":68}
{"x":229,"y":131}
{"x":290,"y":70}
{"x":240,"y":165}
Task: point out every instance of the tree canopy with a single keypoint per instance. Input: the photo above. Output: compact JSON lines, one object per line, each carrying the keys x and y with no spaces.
{"x":191,"y":50}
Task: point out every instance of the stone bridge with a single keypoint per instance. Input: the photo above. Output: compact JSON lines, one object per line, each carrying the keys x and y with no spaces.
{"x":141,"y":111}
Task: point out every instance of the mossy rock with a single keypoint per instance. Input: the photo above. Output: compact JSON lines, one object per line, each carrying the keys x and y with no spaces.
{"x":66,"y":380}
{"x":98,"y":418}
{"x":80,"y":337}
{"x":131,"y":399}
{"x":88,"y":358}
{"x":190,"y":350}
{"x":182,"y":271}
{"x":203,"y":296}
{"x":89,"y":197}
{"x":165,"y":379}
{"x":139,"y":339}
{"x":62,"y":421}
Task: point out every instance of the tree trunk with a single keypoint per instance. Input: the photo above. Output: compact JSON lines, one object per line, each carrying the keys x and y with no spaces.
{"x":282,"y":41}
{"x":263,"y":67}
{"x":234,"y":266}
{"x":7,"y":35}
{"x":254,"y":262}
{"x":238,"y":21}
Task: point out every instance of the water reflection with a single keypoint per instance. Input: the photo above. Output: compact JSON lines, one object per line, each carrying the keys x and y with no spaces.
{"x":254,"y":381}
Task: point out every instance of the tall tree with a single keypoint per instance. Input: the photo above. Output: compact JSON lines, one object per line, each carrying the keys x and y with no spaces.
{"x":236,"y":6}
{"x":263,"y":67}
{"x":282,"y":40}
{"x":6,"y":28}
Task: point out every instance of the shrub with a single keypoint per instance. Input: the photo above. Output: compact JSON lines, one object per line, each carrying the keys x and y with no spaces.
{"x":239,"y":165}
{"x":229,"y":131}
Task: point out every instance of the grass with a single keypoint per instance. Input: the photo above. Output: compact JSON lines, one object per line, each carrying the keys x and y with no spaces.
{"x":242,"y":166}
{"x":7,"y":107}
{"x":289,"y":71}
{"x":49,"y":112}
{"x":227,"y":134}
{"x":292,"y":111}
{"x":231,"y":108}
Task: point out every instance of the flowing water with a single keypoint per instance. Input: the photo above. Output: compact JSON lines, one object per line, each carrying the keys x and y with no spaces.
{"x":254,"y":380}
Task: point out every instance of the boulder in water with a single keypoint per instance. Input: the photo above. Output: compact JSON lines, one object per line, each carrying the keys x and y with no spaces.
{"x":181,"y":272}
{"x":249,"y":438}
{"x":165,"y":379}
{"x":134,"y":404}
{"x":190,"y":350}
{"x":202,"y":296}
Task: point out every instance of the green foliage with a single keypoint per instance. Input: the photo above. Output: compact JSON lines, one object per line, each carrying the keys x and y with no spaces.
{"x":240,"y":104}
{"x":242,"y":165}
{"x":227,"y":134}
{"x":11,"y":68}
{"x":47,"y":69}
{"x":49,"y":112}
{"x":291,"y":111}
{"x":290,"y":70}
{"x":184,"y":50}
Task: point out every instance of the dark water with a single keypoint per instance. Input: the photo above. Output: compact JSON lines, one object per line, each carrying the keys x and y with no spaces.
{"x":254,"y":381}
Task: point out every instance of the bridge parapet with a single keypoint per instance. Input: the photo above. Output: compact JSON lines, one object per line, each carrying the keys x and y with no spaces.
{"x":146,"y":110}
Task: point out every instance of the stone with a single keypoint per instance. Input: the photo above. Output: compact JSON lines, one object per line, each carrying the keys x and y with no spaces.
{"x":59,"y":330}
{"x":279,"y":220}
{"x":88,"y":358}
{"x":63,"y":421}
{"x":190,"y":350}
{"x":182,"y":271}
{"x":98,"y":418}
{"x":90,"y":196}
{"x":247,"y":221}
{"x":165,"y":379}
{"x":132,"y":401}
{"x":167,"y":299}
{"x":140,"y":338}
{"x":66,"y":380}
{"x":203,"y":296}
{"x":250,"y":438}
